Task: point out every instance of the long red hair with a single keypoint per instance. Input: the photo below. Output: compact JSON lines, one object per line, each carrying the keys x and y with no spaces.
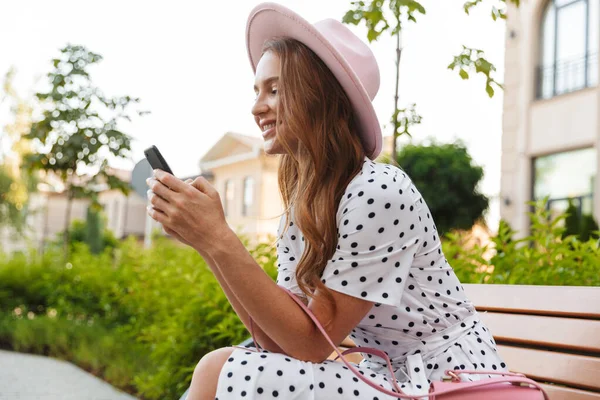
{"x":323,"y":153}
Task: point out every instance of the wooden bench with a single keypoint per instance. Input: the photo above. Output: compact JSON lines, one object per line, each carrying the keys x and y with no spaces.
{"x":549,"y":333}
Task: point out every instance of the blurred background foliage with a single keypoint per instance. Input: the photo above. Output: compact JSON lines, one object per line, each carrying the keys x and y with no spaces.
{"x":16,"y":185}
{"x":139,"y":318}
{"x":549,"y":255}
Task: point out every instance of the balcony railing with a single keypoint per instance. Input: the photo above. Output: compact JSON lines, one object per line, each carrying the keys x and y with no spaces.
{"x":566,"y":76}
{"x":584,"y":204}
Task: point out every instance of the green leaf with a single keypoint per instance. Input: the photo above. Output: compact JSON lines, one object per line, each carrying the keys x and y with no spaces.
{"x":470,"y":4}
{"x":352,"y":17}
{"x":474,"y":59}
{"x":373,"y":16}
{"x":404,"y":119}
{"x":372,"y":35}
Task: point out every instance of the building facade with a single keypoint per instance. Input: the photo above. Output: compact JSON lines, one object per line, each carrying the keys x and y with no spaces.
{"x":48,"y":209}
{"x":551,"y":121}
{"x":246,"y":179}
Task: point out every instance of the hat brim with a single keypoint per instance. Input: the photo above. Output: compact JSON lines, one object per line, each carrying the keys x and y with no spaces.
{"x":270,"y":20}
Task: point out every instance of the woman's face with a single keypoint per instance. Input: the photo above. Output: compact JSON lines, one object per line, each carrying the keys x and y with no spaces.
{"x":266,"y":83}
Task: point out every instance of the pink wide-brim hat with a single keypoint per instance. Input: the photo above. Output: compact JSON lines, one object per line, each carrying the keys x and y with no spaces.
{"x":349,"y":59}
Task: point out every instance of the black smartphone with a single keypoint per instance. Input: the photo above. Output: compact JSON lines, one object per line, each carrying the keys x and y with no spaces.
{"x":156,"y":159}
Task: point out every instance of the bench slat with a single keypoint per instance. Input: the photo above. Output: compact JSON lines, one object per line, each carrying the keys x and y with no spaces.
{"x":566,"y":369}
{"x":354,"y":357}
{"x":564,"y":393}
{"x":574,"y":301}
{"x":348,"y":343}
{"x":552,"y":332}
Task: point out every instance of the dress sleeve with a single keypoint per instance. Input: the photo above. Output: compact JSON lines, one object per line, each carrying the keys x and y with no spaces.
{"x":287,"y":260}
{"x":378,"y":236}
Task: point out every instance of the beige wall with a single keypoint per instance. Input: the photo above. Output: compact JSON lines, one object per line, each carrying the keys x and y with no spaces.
{"x":533,"y":127}
{"x":271,"y":205}
{"x":265,"y":201}
{"x":32,"y":236}
{"x":126,"y":215}
{"x":46,"y":218}
{"x":56,"y":211}
{"x":564,"y":122}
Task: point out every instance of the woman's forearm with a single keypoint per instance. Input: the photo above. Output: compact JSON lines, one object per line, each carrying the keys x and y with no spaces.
{"x":262,"y":338}
{"x":279,"y":317}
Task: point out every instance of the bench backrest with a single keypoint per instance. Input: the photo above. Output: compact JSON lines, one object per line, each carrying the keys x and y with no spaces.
{"x":549,"y":333}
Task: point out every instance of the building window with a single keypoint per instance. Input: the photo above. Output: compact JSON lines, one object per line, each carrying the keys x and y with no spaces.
{"x":566,"y":177}
{"x":569,"y":47}
{"x":248,"y":196}
{"x":228,"y":197}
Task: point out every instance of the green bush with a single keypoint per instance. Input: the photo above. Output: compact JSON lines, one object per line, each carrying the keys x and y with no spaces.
{"x":589,"y":228}
{"x":582,"y":226}
{"x":92,"y":232}
{"x":545,"y":257}
{"x":139,"y":318}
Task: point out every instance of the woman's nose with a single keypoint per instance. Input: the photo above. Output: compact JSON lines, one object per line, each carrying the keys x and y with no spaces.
{"x":259,"y":107}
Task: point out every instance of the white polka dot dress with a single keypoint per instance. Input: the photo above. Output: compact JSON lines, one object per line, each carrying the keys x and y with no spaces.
{"x":388,"y":252}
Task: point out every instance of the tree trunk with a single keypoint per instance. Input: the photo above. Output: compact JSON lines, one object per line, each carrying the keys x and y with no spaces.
{"x":66,"y":235}
{"x":396,"y":97}
{"x":45,"y":231}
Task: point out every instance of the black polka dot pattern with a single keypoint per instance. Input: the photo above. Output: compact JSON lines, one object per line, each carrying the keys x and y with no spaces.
{"x":388,"y":252}
{"x":366,"y":258}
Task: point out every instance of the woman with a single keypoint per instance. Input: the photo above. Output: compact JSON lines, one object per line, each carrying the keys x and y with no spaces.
{"x":357,"y":244}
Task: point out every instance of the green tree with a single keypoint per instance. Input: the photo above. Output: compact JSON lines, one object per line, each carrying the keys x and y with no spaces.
{"x":378,"y":19}
{"x":15,"y":184}
{"x":447,"y":178}
{"x":10,"y":211}
{"x":79,"y":129}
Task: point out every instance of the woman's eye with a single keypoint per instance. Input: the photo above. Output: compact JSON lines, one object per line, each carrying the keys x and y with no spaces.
{"x":274,"y":91}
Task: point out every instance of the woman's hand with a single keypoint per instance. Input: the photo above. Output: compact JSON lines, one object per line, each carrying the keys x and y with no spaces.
{"x":190,"y":211}
{"x":171,"y":232}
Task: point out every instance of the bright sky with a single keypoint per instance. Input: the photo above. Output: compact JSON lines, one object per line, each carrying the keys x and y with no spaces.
{"x":188,"y":64}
